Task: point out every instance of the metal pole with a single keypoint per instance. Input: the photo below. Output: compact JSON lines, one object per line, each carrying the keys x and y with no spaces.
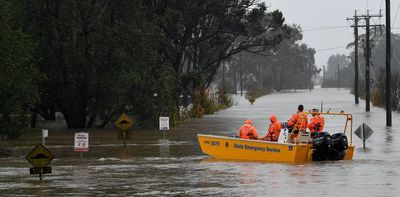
{"x":362,"y":134}
{"x":388,"y":70}
{"x":41,"y":174}
{"x":322,"y":106}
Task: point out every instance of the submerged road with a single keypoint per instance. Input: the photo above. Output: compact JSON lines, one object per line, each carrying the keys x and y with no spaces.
{"x":147,"y":167}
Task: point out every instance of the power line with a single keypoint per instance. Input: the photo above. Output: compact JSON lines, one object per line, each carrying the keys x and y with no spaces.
{"x":323,"y":28}
{"x":327,"y":49}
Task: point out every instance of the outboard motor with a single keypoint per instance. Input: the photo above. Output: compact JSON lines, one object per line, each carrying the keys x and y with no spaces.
{"x":339,"y":146}
{"x":321,"y":145}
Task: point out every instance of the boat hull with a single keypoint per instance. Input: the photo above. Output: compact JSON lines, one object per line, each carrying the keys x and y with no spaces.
{"x":256,"y":150}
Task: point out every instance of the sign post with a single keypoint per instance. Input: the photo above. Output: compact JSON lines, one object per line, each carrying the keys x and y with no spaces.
{"x":40,"y":157}
{"x":124,"y":122}
{"x":363,"y":132}
{"x":81,"y":143}
{"x":164,"y":143}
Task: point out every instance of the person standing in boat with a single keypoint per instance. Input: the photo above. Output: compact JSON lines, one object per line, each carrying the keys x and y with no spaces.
{"x":248,"y":131}
{"x":274,"y":129}
{"x":317,"y":122}
{"x":297,"y":123}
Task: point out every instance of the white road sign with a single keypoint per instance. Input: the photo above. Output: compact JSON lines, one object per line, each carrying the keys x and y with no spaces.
{"x":164,"y":123}
{"x":81,"y":142}
{"x":45,"y":133}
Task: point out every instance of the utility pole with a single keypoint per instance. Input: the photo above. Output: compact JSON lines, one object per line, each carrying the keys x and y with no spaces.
{"x":338,"y":78}
{"x":367,"y":52}
{"x":388,"y":71}
{"x":356,"y":72}
{"x":356,"y":57}
{"x":367,"y":49}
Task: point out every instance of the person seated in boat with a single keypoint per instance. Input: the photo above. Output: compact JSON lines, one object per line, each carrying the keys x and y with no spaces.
{"x":317,"y":122}
{"x":248,"y":131}
{"x":297,"y":123}
{"x":274,"y":129}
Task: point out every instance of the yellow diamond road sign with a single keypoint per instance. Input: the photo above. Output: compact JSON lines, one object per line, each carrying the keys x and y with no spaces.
{"x":39,"y":156}
{"x":124,"y":122}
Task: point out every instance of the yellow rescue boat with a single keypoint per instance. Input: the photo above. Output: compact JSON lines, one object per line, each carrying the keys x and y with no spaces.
{"x":306,"y":149}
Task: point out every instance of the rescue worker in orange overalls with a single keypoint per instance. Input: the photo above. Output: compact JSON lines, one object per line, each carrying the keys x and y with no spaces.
{"x":297,"y":123}
{"x":274,"y":129}
{"x":248,"y":131}
{"x":317,"y":122}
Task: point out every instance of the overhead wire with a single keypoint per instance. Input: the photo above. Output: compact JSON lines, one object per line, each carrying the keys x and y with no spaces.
{"x":327,"y":49}
{"x":323,"y":28}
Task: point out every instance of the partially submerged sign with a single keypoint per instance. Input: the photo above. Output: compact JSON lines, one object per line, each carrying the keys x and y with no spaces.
{"x":363,"y":132}
{"x":81,"y":142}
{"x":39,"y":156}
{"x":124,"y":122}
{"x":44,"y":170}
{"x":164,"y":123}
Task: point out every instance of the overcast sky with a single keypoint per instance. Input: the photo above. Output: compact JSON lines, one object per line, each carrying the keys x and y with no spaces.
{"x":324,"y":22}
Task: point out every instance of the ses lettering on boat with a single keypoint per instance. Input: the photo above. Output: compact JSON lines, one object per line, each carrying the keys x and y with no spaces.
{"x":257,"y":148}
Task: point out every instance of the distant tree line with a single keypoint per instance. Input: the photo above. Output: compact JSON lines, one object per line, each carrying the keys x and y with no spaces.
{"x":289,"y":65}
{"x":92,"y":60}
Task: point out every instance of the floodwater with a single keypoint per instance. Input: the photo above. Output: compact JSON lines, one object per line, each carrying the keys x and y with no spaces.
{"x":149,"y":167}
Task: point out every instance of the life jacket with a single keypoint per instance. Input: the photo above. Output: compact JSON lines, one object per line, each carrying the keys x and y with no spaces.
{"x":273,"y":131}
{"x":298,"y":121}
{"x":316,"y":124}
{"x":248,"y":132}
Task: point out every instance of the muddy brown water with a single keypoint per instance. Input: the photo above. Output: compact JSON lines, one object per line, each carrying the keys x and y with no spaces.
{"x":148,"y":167}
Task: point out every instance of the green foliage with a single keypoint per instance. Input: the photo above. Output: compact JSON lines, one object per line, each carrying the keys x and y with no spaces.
{"x":18,"y":76}
{"x":378,"y":91}
{"x":254,"y":91}
{"x":101,"y":58}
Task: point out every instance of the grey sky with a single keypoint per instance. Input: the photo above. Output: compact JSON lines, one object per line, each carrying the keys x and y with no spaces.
{"x":324,"y":22}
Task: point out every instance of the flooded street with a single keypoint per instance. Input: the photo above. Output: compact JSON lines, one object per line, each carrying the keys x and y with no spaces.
{"x":147,"y":167}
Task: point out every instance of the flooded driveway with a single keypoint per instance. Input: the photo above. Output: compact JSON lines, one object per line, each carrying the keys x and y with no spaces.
{"x":148,"y":167}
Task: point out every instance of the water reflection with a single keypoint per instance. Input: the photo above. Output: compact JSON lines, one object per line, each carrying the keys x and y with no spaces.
{"x":388,"y":136}
{"x":164,"y":147}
